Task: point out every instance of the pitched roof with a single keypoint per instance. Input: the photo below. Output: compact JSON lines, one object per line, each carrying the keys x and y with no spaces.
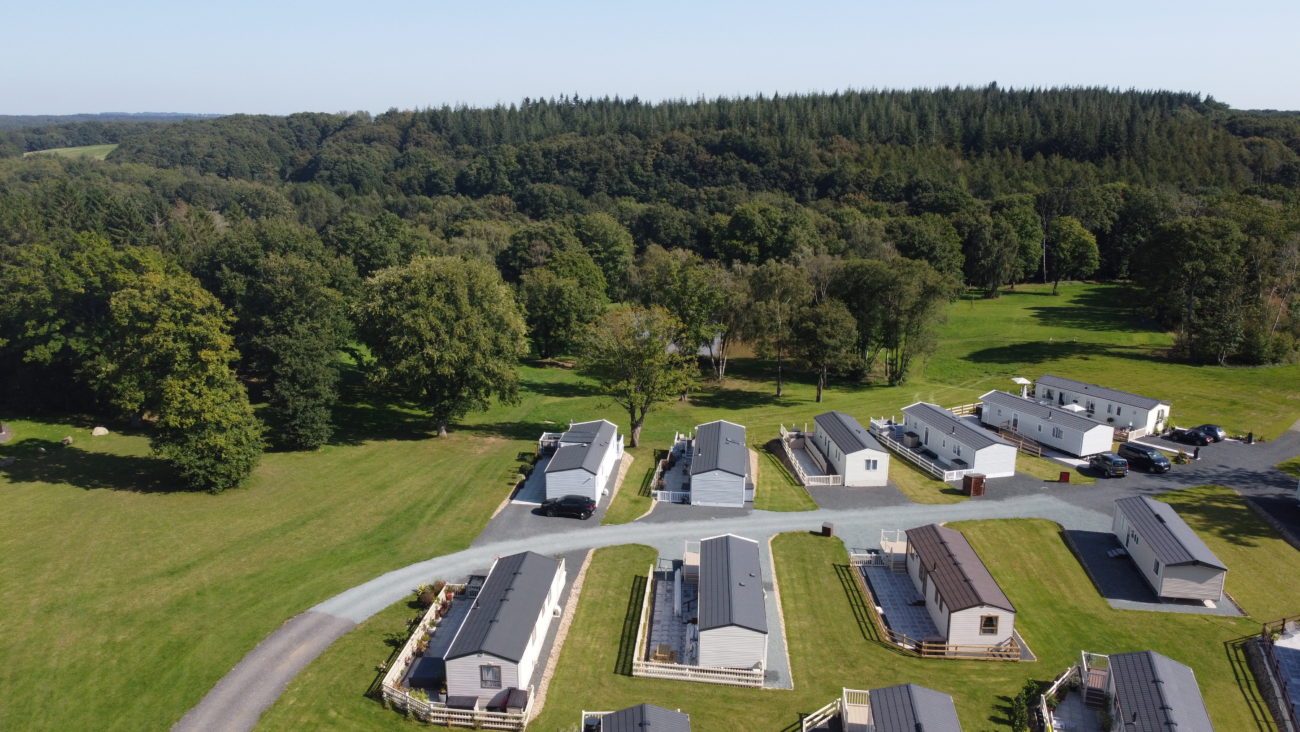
{"x":950,"y":424}
{"x":720,"y":445}
{"x":909,"y":708}
{"x":1046,"y":412}
{"x":1101,"y":392}
{"x":582,"y":446}
{"x":644,"y":717}
{"x":1168,"y":535}
{"x":956,"y":570}
{"x":846,"y":432}
{"x":507,"y":608}
{"x":1155,"y":693}
{"x":731,"y":584}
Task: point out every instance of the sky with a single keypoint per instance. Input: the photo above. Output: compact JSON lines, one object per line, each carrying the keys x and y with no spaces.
{"x":283,"y":56}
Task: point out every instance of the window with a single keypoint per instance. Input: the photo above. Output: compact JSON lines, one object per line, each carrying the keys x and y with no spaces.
{"x":1049,"y":393}
{"x":1109,"y":407}
{"x":1057,"y":432}
{"x":489,"y":677}
{"x":956,"y":448}
{"x":1091,"y":406}
{"x":1119,"y":411}
{"x":1157,"y":566}
{"x":988,"y":625}
{"x":872,"y":465}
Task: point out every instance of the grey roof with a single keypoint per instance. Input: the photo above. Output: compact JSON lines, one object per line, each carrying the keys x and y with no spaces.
{"x":948,"y":423}
{"x":1046,"y":412}
{"x":582,"y":446}
{"x":644,"y":717}
{"x":956,"y":570}
{"x":1168,"y":535}
{"x":720,"y":445}
{"x":1101,"y":392}
{"x":912,"y":708}
{"x":506,"y":609}
{"x":1155,"y":693}
{"x":846,"y":432}
{"x":731,"y":584}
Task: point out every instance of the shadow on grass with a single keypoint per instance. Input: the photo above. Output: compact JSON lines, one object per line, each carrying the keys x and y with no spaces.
{"x":857,"y":603}
{"x":1040,"y":351}
{"x":1222,"y":513}
{"x":1236,"y":651}
{"x":1006,"y":706}
{"x":47,"y":461}
{"x":631,"y":620}
{"x":722,"y":398}
{"x":530,"y":431}
{"x":646,"y":490}
{"x":561,"y":389}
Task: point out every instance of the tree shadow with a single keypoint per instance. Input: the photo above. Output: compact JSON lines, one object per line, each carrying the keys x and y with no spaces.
{"x":1226,"y":515}
{"x":1004,"y":705}
{"x":1041,"y":351}
{"x":47,"y":461}
{"x":358,"y":423}
{"x":723,"y":398}
{"x":561,"y":389}
{"x":529,"y":431}
{"x":631,"y":621}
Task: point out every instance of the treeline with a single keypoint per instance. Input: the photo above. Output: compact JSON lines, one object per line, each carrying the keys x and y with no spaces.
{"x":23,"y":134}
{"x":828,"y":230}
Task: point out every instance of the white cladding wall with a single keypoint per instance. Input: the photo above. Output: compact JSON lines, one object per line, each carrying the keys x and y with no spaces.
{"x":853,"y":466}
{"x":1072,"y":441}
{"x":1144,"y":421}
{"x":576,"y":481}
{"x":1184,"y":581}
{"x":964,"y":626}
{"x":732,"y":647}
{"x":994,"y":461}
{"x":718,"y":488}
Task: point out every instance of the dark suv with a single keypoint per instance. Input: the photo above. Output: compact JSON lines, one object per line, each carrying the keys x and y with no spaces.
{"x":1109,"y":464}
{"x":1146,"y":458}
{"x":571,"y":505}
{"x":1193,"y":436}
{"x":1212,"y":431}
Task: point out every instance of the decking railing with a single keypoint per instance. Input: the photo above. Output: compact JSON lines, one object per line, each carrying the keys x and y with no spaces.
{"x":917,"y":459}
{"x":1267,"y":631}
{"x":821,"y":716}
{"x":681,"y":672}
{"x":1045,"y":709}
{"x":1027,"y":445}
{"x":804,"y":478}
{"x":963,"y":410}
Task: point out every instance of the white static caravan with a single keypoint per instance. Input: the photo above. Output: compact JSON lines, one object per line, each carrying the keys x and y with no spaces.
{"x":1138,"y":414}
{"x":1062,"y":429}
{"x":850,"y":450}
{"x":497,"y":646}
{"x":586,"y":456}
{"x":720,"y":466}
{"x":732,"y":607}
{"x":1170,"y":556}
{"x":957,"y":443}
{"x":964,"y":601}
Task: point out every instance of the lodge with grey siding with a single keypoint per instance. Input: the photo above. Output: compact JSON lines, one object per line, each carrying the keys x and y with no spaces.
{"x":497,"y":646}
{"x":585,"y":456}
{"x":720,"y":465}
{"x":640,"y":718}
{"x":1170,"y":556}
{"x":958,"y":444}
{"x":732,"y":611}
{"x":1150,"y":692}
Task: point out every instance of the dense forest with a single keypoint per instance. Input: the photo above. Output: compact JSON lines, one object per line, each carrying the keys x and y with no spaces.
{"x":213,"y":257}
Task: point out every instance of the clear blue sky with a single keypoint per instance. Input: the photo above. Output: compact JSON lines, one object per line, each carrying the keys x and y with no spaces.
{"x":281,"y":56}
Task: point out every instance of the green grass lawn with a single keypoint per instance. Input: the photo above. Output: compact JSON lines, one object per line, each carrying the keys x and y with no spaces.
{"x":106,"y":568}
{"x":1049,"y":470}
{"x":98,"y":152}
{"x":1290,"y":467}
{"x":633,"y":498}
{"x":920,"y":486}
{"x":777,"y":489}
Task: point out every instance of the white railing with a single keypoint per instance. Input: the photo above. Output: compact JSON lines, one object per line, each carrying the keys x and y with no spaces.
{"x":821,"y":716}
{"x":918,"y":460}
{"x":662,"y":466}
{"x":671,"y":496}
{"x":659,"y":670}
{"x":1044,"y":708}
{"x":804,"y":478}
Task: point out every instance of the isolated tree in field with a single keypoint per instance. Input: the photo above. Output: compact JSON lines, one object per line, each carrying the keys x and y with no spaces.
{"x":780,"y":290}
{"x":827,"y":340}
{"x":628,"y":351}
{"x":560,"y":299}
{"x":1072,"y":249}
{"x":445,"y":334}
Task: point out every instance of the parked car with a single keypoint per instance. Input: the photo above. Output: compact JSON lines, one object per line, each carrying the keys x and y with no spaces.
{"x":1191,"y":436}
{"x":1213,"y":431}
{"x":1109,"y":464}
{"x":571,"y":505}
{"x":1145,"y":458}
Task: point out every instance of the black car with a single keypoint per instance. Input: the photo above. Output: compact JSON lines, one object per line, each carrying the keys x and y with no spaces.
{"x":1109,"y":464}
{"x":1213,"y":431}
{"x":1146,"y":458}
{"x":571,"y":505}
{"x":1193,"y":436}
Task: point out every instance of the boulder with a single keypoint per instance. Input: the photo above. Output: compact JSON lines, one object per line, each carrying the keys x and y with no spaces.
{"x":99,"y":431}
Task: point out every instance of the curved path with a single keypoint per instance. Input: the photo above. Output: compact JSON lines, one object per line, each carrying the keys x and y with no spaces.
{"x":253,"y":685}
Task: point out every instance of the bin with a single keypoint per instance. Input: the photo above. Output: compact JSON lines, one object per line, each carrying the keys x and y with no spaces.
{"x":972,"y":484}
{"x":828,"y":529}
{"x":1064,"y":477}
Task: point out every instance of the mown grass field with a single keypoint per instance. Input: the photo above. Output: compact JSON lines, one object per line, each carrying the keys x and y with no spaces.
{"x":140,"y":598}
{"x":98,"y":152}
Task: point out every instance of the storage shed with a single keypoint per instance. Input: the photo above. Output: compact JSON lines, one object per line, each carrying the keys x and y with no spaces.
{"x":1170,"y":556}
{"x":640,"y":718}
{"x":732,"y":604}
{"x":497,"y":646}
{"x":964,"y":601}
{"x":1150,"y":692}
{"x":1139,"y":414}
{"x":850,"y":450}
{"x":957,"y":444}
{"x":1062,"y":429}
{"x":585,"y":457}
{"x":720,"y":466}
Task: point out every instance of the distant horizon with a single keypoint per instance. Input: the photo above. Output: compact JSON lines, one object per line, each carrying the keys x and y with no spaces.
{"x":254,"y":57}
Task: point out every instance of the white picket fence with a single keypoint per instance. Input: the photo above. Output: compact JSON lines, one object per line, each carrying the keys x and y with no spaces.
{"x":911,"y":456}
{"x":804,"y":478}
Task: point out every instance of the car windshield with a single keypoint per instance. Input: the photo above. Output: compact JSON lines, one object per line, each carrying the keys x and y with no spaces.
{"x":1119,"y":462}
